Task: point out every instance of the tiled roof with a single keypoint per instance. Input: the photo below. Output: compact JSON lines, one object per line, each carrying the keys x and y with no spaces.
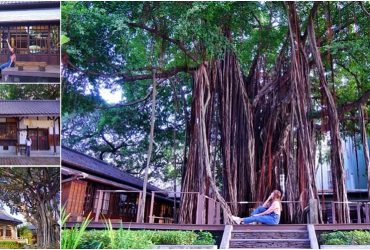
{"x":85,"y":163}
{"x":4,"y":216}
{"x":29,"y":107}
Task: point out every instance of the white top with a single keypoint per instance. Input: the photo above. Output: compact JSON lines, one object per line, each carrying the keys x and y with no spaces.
{"x":29,"y":142}
{"x":276,"y":207}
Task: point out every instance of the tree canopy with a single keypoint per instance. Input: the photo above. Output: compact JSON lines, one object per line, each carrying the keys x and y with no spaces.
{"x":29,"y":91}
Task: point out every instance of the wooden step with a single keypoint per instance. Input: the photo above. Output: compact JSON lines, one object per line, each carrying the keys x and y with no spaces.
{"x":269,"y":243}
{"x":281,"y":227}
{"x":269,"y":234}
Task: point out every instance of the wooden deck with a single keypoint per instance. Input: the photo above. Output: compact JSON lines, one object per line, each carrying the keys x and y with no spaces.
{"x":151,"y":226}
{"x":31,"y":74}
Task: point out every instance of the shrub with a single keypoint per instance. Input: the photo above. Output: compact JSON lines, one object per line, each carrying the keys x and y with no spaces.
{"x":10,"y":244}
{"x":143,"y":239}
{"x":70,"y":238}
{"x":26,"y":233}
{"x":205,"y":238}
{"x":174,"y":237}
{"x":356,"y":237}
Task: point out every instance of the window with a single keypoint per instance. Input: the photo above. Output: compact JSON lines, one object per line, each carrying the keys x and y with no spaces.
{"x":38,"y":39}
{"x":33,"y":39}
{"x":8,"y":131}
{"x":18,"y":38}
{"x":105,"y":205}
{"x":330,"y":179}
{"x":54,"y":39}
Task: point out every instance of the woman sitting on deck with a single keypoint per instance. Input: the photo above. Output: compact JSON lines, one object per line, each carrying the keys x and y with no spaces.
{"x":12,"y":57}
{"x":268,"y":213}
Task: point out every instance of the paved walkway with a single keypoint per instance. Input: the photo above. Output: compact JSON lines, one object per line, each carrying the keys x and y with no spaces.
{"x":23,"y":160}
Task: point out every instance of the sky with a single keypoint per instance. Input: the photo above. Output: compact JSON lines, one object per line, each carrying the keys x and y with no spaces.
{"x":17,"y":216}
{"x":111,"y":96}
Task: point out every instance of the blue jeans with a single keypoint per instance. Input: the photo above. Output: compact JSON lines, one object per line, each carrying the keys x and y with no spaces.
{"x":28,"y":151}
{"x":269,"y":219}
{"x":6,"y":65}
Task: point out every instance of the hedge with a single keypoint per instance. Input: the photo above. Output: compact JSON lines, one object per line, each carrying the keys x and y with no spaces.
{"x":356,"y":237}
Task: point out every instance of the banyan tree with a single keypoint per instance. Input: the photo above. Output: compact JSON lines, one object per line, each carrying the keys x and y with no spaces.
{"x":251,"y":129}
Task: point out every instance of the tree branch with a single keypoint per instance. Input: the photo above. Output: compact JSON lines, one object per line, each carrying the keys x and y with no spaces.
{"x":163,"y":36}
{"x":352,"y":105}
{"x":363,"y":8}
{"x":131,"y":78}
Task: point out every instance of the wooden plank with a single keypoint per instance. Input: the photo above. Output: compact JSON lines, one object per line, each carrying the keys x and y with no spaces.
{"x":138,"y":205}
{"x":333,"y":212}
{"x":312,"y":236}
{"x":218,"y":213}
{"x":226,"y":237}
{"x":367,"y":215}
{"x":330,"y":227}
{"x":358,"y":213}
{"x":211,"y":212}
{"x":151,"y":218}
{"x":200,"y":209}
{"x":151,"y":226}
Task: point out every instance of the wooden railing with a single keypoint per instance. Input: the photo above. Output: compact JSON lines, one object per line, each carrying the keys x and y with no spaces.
{"x":208,"y":210}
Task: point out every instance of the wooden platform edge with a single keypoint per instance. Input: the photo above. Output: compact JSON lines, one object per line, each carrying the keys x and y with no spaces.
{"x":312,"y":236}
{"x":226,"y":237}
{"x":150,"y":226}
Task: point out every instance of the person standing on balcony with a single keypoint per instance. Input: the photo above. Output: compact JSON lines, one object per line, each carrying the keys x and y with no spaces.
{"x":269,"y":213}
{"x":28,"y":146}
{"x":12,"y":57}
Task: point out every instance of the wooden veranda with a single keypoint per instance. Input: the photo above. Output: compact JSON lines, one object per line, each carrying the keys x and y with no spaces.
{"x":209,"y":211}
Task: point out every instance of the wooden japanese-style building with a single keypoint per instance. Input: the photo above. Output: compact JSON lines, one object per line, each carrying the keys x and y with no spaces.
{"x":91,"y":186}
{"x":8,"y":226}
{"x":33,"y":29}
{"x":38,"y":119}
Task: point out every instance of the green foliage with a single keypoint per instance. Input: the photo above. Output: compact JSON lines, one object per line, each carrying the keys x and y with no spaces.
{"x":79,"y":238}
{"x":142,"y":239}
{"x":29,"y":91}
{"x":10,"y":245}
{"x":356,"y":237}
{"x":71,"y":238}
{"x":205,"y":238}
{"x":64,"y":39}
{"x":26,"y":233}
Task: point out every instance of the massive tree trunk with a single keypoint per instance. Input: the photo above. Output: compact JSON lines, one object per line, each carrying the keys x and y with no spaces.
{"x":336,"y":153}
{"x":227,"y":96}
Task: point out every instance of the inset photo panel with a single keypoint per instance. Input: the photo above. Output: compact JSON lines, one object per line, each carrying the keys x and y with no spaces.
{"x":29,"y":124}
{"x":30,"y":41}
{"x":29,"y":207}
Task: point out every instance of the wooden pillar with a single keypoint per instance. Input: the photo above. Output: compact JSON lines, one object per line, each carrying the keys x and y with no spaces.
{"x":151,"y":218}
{"x":55,"y":147}
{"x":138,"y":206}
{"x":218,"y":213}
{"x":4,"y":231}
{"x":98,"y":209}
{"x":200,"y":210}
{"x":15,"y":232}
{"x":17,"y":149}
{"x":358,"y":213}
{"x":314,"y":218}
{"x":211,"y":212}
{"x":333,"y":211}
{"x":367,"y":213}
